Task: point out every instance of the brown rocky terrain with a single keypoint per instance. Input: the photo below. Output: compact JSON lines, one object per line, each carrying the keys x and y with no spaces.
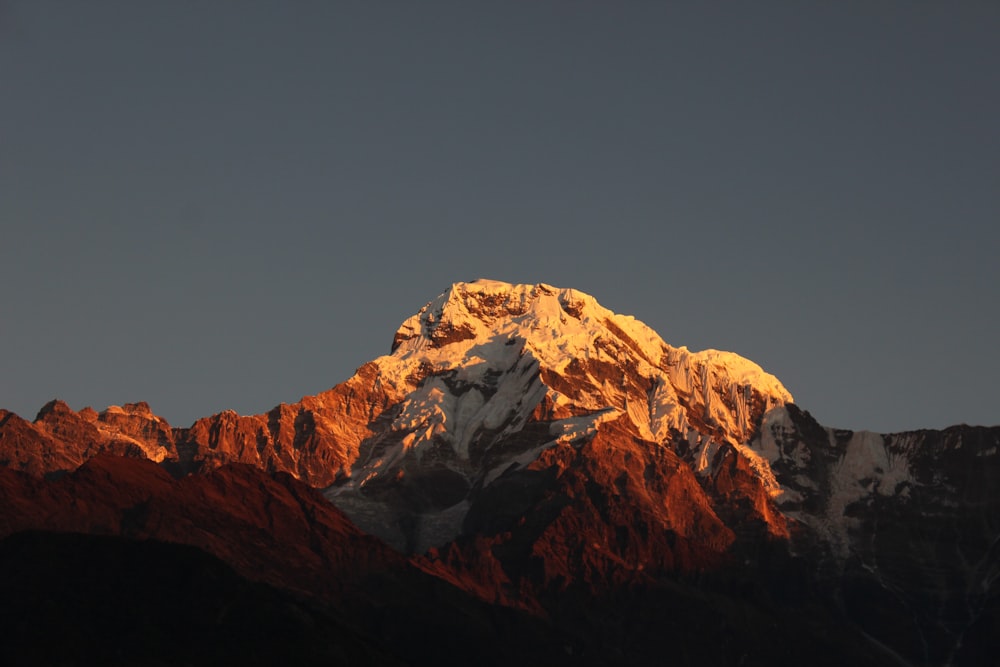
{"x":130,"y":566}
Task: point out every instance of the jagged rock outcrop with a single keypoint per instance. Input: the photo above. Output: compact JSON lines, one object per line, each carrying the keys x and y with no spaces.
{"x":24,"y":447}
{"x":594,"y":515}
{"x":60,"y":439}
{"x":316,"y":439}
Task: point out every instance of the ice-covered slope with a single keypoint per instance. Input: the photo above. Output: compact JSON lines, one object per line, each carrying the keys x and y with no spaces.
{"x":590,"y":359}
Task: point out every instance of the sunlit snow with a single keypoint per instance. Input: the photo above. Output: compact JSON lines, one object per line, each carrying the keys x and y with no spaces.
{"x":483,"y":357}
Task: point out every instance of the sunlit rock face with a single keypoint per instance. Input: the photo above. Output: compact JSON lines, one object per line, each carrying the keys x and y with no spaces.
{"x":293,"y":531}
{"x":60,"y":439}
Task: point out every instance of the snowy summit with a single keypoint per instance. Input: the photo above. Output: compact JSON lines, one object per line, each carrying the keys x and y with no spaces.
{"x":487,"y":360}
{"x":488,"y":332}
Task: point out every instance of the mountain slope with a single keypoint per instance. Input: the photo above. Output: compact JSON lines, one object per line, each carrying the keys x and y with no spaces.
{"x":298,"y":568}
{"x":124,"y":602}
{"x":488,"y":376}
{"x":903,"y":529}
{"x":122,"y":575}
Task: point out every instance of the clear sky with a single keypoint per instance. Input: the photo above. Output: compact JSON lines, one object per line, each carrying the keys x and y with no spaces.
{"x":214,"y":205}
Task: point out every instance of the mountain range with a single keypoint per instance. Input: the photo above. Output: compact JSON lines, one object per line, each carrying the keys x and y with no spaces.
{"x":525,"y":477}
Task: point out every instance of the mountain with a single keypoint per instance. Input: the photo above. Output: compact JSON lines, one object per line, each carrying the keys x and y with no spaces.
{"x":526,"y":446}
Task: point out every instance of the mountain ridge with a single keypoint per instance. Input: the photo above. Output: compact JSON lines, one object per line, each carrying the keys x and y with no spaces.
{"x":526,"y":444}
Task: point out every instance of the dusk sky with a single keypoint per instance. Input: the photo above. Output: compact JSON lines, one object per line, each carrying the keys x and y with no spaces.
{"x":215,"y":205}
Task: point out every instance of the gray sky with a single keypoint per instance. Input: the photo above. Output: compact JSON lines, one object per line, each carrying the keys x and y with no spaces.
{"x":232,"y":204}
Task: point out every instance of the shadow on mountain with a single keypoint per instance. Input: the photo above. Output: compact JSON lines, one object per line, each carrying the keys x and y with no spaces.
{"x":72,"y":599}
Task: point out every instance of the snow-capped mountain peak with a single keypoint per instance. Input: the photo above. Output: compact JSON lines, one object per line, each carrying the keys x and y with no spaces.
{"x":489,"y":307}
{"x":525,"y":441}
{"x":486,"y":360}
{"x":590,"y":358}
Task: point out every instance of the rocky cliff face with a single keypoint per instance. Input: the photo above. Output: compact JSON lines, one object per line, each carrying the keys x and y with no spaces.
{"x":905,"y":528}
{"x":528,"y":445}
{"x":221,"y":512}
{"x":60,"y":440}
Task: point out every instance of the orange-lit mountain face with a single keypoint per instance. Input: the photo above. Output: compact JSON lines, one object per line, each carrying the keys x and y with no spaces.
{"x":529,"y":447}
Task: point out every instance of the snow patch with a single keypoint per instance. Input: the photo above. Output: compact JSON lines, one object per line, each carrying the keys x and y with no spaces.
{"x":572,"y":429}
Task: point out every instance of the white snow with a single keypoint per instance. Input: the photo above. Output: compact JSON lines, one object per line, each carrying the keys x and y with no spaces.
{"x":557,"y":326}
{"x":866,"y":467}
{"x":572,"y":429}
